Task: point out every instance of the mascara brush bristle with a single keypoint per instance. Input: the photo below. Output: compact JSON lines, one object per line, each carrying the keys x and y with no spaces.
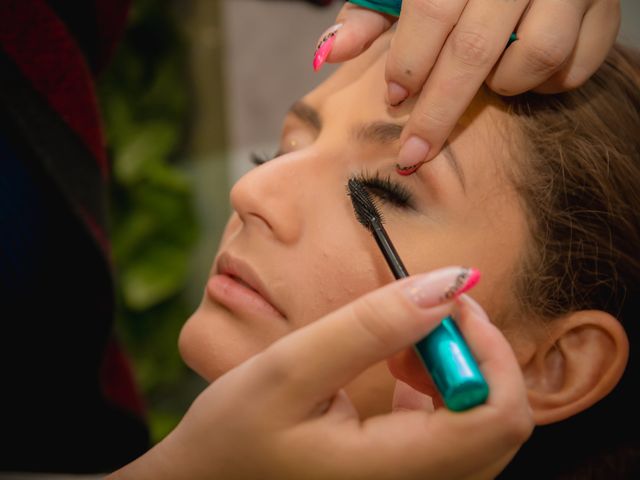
{"x":366,"y":211}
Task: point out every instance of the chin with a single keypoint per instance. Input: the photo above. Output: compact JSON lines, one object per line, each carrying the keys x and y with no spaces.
{"x":193,"y":347}
{"x":212,"y":346}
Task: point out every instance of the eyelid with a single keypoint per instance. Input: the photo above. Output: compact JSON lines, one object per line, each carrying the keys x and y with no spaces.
{"x":290,"y":141}
{"x":294,"y":138}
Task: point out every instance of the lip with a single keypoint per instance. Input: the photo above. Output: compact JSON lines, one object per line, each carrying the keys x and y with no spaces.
{"x":235,"y":285}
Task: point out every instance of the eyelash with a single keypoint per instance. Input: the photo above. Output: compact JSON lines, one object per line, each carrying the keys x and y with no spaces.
{"x":262,"y":158}
{"x":386,"y":190}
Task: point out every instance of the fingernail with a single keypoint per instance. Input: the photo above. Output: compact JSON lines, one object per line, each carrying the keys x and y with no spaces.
{"x":412,"y":154}
{"x":324,"y":46}
{"x":408,"y":170}
{"x":441,"y":285}
{"x":396,"y":94}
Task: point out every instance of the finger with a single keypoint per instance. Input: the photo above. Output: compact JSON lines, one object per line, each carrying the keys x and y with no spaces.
{"x":407,"y":367}
{"x":340,"y":408}
{"x":597,"y":35}
{"x":547,"y":35}
{"x":467,"y":57}
{"x":354,"y":31}
{"x":311,"y":364}
{"x":406,"y":397}
{"x":422,"y":29}
{"x":493,"y":353}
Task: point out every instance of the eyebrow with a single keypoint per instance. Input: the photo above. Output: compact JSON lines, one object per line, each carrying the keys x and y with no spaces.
{"x":377,"y":132}
{"x":307,"y":114}
{"x":374,"y":132}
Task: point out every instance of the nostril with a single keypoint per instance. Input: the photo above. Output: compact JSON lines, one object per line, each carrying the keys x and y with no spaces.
{"x":260,"y":218}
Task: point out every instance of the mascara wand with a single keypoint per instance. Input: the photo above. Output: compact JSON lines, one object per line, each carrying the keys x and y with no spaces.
{"x":444,"y":352}
{"x":369,"y":216}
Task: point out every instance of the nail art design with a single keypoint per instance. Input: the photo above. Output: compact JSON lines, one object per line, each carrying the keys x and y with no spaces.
{"x":324,"y":46}
{"x":465,"y":280}
{"x":406,"y":171}
{"x":441,"y":286}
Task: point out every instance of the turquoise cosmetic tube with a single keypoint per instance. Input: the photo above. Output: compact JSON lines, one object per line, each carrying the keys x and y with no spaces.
{"x":391,"y":7}
{"x":452,"y":367}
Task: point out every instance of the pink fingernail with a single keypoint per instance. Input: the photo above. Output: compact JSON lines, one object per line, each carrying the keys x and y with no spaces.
{"x":324,"y":46}
{"x":396,"y":94}
{"x":413,"y":152}
{"x":441,"y":285}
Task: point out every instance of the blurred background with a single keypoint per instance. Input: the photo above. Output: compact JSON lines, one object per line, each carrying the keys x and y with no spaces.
{"x":194,"y":88}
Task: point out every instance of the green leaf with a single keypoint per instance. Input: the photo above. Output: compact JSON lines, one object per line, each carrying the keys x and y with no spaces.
{"x":155,"y":275}
{"x":145,"y":151}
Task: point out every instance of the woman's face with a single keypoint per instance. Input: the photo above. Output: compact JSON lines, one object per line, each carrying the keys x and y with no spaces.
{"x":293,"y":251}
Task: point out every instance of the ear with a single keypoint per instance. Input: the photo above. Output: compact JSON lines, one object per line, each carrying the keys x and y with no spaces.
{"x":576,"y":362}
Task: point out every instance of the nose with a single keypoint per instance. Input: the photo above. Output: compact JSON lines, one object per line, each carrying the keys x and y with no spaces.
{"x":269,"y":198}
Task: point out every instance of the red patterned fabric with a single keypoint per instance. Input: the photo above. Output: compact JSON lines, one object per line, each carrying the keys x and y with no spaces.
{"x":111,"y":15}
{"x":37,"y":41}
{"x":40,"y":45}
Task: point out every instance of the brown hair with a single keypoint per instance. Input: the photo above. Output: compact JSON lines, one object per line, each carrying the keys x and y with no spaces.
{"x":580,"y":185}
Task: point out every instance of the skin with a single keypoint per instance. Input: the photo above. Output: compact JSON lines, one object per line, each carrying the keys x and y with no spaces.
{"x":293,"y":378}
{"x":294,"y":224}
{"x":457,"y":45}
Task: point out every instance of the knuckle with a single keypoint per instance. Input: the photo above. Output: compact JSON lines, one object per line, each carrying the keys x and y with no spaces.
{"x":276,"y":367}
{"x":430,"y":119}
{"x":501,"y":88}
{"x":544,"y":56}
{"x":518,"y":429}
{"x":400,"y":69}
{"x":440,"y":11}
{"x":573,"y":80}
{"x":470,"y":47}
{"x":517,"y":425}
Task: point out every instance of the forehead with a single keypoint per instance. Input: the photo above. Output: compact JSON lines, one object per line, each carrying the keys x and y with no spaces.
{"x":357,"y":91}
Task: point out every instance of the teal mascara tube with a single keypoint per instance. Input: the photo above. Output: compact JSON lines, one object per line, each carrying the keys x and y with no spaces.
{"x":444,"y":352}
{"x":391,"y":7}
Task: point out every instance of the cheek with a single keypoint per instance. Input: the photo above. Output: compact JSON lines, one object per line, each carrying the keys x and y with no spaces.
{"x":338,"y":273}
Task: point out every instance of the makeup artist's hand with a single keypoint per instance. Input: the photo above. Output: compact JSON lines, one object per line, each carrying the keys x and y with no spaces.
{"x":283,"y":413}
{"x":443,"y":50}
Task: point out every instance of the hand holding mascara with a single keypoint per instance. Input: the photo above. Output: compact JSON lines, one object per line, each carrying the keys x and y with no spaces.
{"x":444,"y":351}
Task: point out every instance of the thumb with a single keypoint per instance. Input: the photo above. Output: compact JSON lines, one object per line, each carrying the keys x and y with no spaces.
{"x":310,"y":365}
{"x":355,"y":29}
